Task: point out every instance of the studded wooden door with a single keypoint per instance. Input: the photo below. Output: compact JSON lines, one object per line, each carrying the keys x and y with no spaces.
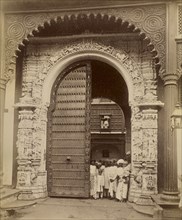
{"x":69,"y":133}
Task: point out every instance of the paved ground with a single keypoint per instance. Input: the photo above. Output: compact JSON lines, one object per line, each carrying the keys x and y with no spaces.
{"x":79,"y":209}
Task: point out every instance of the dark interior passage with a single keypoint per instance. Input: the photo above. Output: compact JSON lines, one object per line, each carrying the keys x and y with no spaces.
{"x":108,"y":83}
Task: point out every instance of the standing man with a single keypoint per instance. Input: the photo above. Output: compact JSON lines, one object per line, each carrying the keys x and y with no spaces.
{"x":127,"y":171}
{"x":106,"y":179}
{"x":120,"y":172}
{"x":126,"y":177}
{"x":112,"y":178}
{"x":93,"y":180}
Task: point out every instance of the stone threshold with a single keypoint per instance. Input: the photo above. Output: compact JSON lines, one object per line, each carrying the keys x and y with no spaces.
{"x":167,"y":209}
{"x":18,"y":204}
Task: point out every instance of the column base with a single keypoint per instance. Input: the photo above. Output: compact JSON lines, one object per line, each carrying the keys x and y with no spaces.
{"x":170,"y":196}
{"x":31,"y":193}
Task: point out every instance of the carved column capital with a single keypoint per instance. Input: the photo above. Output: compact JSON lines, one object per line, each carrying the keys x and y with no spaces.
{"x":170,"y":79}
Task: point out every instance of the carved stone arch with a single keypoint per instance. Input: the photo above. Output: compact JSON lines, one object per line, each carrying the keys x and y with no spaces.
{"x":94,"y":51}
{"x":150,"y":20}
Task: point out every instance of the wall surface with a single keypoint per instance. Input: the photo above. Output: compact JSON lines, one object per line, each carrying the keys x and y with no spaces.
{"x":8,"y":134}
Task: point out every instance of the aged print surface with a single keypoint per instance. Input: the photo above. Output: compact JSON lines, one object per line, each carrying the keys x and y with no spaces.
{"x":91,"y":105}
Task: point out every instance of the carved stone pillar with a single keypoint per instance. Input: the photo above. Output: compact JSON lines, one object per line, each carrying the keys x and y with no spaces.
{"x":31,"y":174}
{"x":2,"y":99}
{"x":177,"y":139}
{"x":144,"y":151}
{"x":170,"y":78}
{"x":170,"y":156}
{"x":24,"y":149}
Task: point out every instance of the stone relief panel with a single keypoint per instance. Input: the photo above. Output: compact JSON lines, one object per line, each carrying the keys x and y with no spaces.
{"x":179,"y":58}
{"x":150,"y":19}
{"x":180,"y":19}
{"x":31,"y":150}
{"x":136,"y":131}
{"x":24,"y":147}
{"x":144,"y":152}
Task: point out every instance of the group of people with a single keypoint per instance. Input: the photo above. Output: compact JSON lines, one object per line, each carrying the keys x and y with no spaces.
{"x":110,"y":179}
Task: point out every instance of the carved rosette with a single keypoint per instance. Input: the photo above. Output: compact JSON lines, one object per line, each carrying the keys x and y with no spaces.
{"x":150,"y":19}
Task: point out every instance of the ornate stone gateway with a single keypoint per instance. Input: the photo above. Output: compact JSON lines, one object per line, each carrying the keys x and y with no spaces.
{"x":69,"y":134}
{"x":51,"y":78}
{"x":134,"y":60}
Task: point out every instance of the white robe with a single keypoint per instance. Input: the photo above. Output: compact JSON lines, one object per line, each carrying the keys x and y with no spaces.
{"x":100,"y":180}
{"x":106,"y":178}
{"x":119,"y":191}
{"x":125,"y":186}
{"x":112,"y":178}
{"x":93,"y":181}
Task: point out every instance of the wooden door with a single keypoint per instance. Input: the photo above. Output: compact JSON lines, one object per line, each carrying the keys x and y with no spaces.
{"x":69,"y":133}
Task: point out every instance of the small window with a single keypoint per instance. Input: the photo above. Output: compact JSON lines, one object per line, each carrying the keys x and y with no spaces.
{"x":105,"y":153}
{"x":105,"y":122}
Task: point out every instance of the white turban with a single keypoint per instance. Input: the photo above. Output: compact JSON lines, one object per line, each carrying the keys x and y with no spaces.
{"x":120,"y":161}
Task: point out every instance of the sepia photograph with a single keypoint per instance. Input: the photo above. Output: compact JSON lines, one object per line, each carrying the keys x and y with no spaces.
{"x":91,"y":109}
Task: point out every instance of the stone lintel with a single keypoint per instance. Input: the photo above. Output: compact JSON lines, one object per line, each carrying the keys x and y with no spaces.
{"x":151,"y":105}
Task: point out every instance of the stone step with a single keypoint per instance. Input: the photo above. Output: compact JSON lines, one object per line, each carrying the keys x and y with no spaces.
{"x":18,"y":204}
{"x":170,"y":209}
{"x":164,"y":203}
{"x":8,"y":195}
{"x":147,"y":210}
{"x":9,"y":209}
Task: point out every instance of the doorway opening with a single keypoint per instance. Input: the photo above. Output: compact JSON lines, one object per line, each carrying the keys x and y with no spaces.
{"x":107,"y":131}
{"x":78,"y":129}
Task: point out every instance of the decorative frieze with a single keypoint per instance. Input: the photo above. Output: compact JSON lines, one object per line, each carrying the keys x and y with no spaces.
{"x":180,"y":19}
{"x":150,"y":19}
